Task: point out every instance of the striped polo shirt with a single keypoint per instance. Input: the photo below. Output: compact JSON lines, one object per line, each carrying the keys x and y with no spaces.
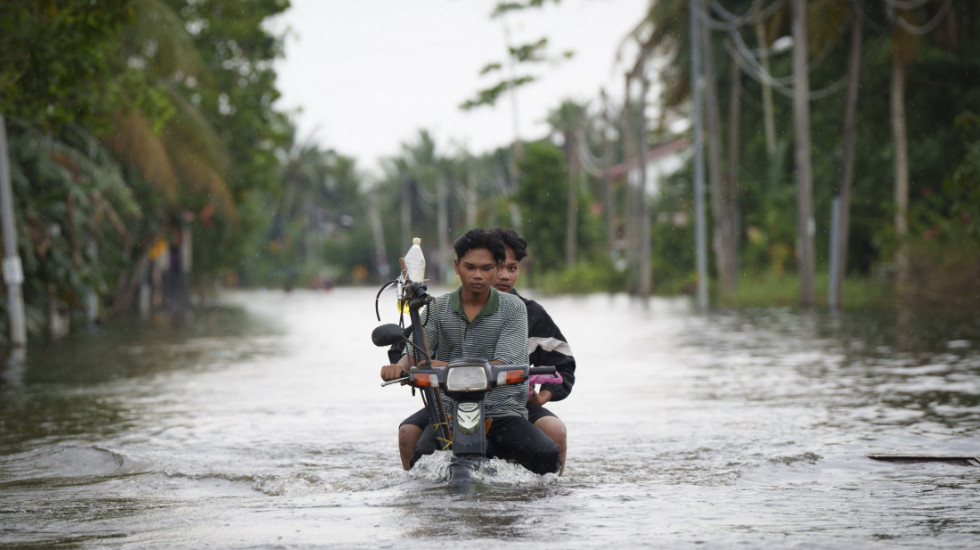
{"x":498,"y":333}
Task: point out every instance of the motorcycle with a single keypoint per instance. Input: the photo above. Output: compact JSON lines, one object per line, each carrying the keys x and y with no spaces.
{"x":466,"y":382}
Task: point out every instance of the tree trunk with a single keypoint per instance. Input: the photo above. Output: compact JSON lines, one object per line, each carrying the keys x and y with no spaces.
{"x":610,"y":209}
{"x":804,"y":175}
{"x":571,"y":215}
{"x":767,"y":111}
{"x":731,"y":181}
{"x":701,"y":256}
{"x":847,"y":162}
{"x":442,"y":225}
{"x":406,"y":209}
{"x":900,"y":138}
{"x":516,"y":149}
{"x":377,"y":232}
{"x":643,"y":227}
{"x":471,"y":193}
{"x":629,"y":195}
{"x":722,"y":241}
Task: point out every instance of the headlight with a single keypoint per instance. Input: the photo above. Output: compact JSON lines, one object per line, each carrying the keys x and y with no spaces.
{"x":467,"y":378}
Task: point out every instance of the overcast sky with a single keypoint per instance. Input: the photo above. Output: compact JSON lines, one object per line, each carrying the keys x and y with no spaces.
{"x":369,"y":74}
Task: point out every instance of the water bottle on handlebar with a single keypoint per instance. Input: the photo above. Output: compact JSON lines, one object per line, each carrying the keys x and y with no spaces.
{"x":414,"y":270}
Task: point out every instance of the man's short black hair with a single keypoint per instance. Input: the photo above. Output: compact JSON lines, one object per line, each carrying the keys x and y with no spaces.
{"x":512,"y":240}
{"x":480,"y":238}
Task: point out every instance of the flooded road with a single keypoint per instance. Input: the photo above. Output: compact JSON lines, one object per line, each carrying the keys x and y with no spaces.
{"x":262,"y":424}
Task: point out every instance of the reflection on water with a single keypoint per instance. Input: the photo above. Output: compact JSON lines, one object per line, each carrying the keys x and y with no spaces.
{"x":262,"y":423}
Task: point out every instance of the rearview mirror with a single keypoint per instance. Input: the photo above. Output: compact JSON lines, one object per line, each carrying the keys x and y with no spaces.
{"x":386,"y":335}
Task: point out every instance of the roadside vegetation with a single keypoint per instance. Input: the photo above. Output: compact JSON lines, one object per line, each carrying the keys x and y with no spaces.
{"x":139,"y":127}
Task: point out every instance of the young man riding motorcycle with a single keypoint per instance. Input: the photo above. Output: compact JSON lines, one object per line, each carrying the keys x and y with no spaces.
{"x":477,"y":320}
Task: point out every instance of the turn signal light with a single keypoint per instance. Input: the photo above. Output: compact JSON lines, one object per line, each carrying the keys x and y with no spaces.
{"x":511,"y":377}
{"x":422,"y":380}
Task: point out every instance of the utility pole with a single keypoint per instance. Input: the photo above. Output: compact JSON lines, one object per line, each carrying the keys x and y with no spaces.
{"x":699,"y":238}
{"x":13,"y":273}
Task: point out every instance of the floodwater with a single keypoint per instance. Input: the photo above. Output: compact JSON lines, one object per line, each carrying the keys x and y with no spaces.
{"x":262,"y":424}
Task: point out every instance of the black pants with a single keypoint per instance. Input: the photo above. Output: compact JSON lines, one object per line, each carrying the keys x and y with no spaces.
{"x":510,"y":438}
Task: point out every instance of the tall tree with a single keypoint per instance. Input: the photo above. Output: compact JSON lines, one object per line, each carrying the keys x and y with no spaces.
{"x":568,"y":120}
{"x":523,"y":55}
{"x":731,"y":186}
{"x":804,"y":170}
{"x":54,"y":60}
{"x":238,"y":49}
{"x":848,"y":143}
{"x":723,"y":241}
{"x":542,"y":185}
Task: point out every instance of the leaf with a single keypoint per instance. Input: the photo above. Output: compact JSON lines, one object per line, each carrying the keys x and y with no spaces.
{"x":504,"y":7}
{"x":529,"y":53}
{"x":490,"y":67}
{"x":489,"y":96}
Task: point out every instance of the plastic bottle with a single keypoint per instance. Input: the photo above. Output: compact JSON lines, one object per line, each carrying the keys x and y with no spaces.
{"x":415,"y":268}
{"x":415,"y":261}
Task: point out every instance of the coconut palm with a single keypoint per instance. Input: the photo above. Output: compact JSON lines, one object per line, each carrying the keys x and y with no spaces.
{"x":177,"y":151}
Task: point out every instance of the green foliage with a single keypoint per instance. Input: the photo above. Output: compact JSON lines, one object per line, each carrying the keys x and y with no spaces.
{"x":944,"y":275}
{"x":542,"y":193}
{"x":533,"y":52}
{"x":583,"y":278}
{"x":522,"y":54}
{"x":489,"y":96}
{"x":952,"y":215}
{"x":128,"y":118}
{"x":767,"y":289}
{"x":55,"y":57}
{"x":942,"y":152}
{"x":505,"y":7}
{"x":75,"y":213}
{"x":237,"y":51}
{"x":319,"y":231}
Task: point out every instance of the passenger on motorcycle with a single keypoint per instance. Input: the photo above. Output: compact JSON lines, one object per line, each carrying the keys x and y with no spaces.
{"x":476,"y":320}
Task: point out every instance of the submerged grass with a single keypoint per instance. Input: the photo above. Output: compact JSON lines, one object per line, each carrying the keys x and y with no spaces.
{"x":768,"y":289}
{"x":939,"y":279}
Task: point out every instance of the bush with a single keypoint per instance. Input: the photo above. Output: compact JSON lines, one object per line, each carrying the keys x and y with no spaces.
{"x":771,"y":289}
{"x":944,"y":277}
{"x":583,"y":278}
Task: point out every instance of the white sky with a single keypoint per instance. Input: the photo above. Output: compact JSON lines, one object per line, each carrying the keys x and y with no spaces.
{"x":369,"y":74}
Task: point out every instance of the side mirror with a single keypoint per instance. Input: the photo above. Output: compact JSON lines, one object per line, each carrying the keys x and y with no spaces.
{"x":386,"y":335}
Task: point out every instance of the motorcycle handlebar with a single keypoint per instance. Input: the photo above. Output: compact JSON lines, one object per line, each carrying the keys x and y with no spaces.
{"x":542,"y":370}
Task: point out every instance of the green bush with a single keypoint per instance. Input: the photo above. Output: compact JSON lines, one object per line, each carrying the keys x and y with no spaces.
{"x":768,"y":289}
{"x":583,"y":278}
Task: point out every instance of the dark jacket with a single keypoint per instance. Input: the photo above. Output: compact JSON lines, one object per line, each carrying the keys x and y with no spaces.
{"x":547,"y":347}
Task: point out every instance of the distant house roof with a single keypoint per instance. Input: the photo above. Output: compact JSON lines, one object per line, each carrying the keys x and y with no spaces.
{"x":620,"y":170}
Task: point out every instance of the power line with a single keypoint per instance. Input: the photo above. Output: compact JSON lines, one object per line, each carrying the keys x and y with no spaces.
{"x":751,"y":66}
{"x":907,"y":4}
{"x":913,"y":29}
{"x":733,"y":21}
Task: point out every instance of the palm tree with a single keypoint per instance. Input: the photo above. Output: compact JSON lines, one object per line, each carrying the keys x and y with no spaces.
{"x":804,"y":172}
{"x":567,"y":120}
{"x":906,"y":38}
{"x":722,"y":214}
{"x":180,"y":151}
{"x":847,"y":162}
